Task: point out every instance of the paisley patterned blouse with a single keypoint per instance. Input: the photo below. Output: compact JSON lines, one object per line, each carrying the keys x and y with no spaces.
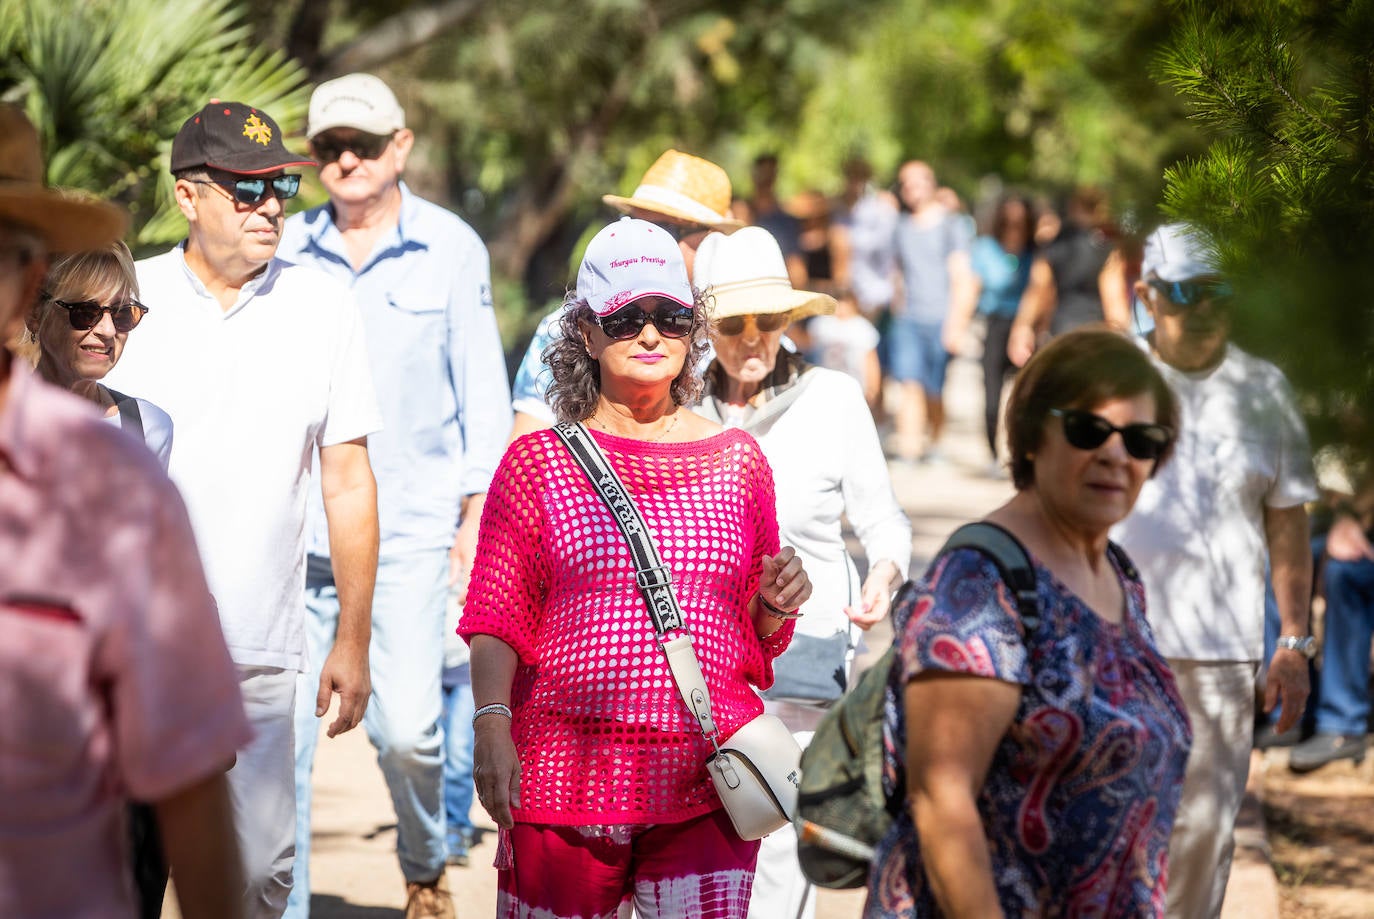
{"x":1081,"y":794}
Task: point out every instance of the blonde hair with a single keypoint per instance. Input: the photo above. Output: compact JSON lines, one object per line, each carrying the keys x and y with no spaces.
{"x":80,"y":276}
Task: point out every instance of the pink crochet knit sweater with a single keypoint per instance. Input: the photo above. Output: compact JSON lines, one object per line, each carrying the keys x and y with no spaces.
{"x":602,"y":734}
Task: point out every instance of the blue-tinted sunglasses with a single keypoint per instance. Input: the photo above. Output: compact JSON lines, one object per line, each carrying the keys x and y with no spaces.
{"x":1188,"y":294}
{"x":255,"y":191}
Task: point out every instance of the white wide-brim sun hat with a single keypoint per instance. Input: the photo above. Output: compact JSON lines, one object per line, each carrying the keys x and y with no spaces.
{"x":744,"y":273}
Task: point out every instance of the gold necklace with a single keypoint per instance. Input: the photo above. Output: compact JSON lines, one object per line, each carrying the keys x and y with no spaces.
{"x":677,"y":413}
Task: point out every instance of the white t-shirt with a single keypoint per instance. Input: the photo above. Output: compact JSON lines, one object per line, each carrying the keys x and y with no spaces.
{"x":1197,"y":531}
{"x":252,"y":391}
{"x":843,"y":344}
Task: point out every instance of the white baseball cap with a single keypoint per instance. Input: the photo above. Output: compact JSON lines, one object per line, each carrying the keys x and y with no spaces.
{"x":1177,"y":252}
{"x":629,"y":260}
{"x":359,"y":101}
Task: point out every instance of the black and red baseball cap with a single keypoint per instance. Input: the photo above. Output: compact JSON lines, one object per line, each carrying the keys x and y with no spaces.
{"x":232,"y":137}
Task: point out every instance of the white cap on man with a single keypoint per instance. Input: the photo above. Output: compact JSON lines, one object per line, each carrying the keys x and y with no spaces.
{"x":359,"y":101}
{"x":1177,"y":252}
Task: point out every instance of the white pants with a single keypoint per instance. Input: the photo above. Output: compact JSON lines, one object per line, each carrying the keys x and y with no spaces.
{"x":262,"y":788}
{"x":781,"y":891}
{"x":1220,"y":696}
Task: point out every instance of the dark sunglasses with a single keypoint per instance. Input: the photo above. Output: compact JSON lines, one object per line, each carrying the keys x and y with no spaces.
{"x":363,"y":146}
{"x":766,"y":322}
{"x":1188,"y":294}
{"x":673,"y":320}
{"x":680,"y":231}
{"x":1087,"y":431}
{"x":84,"y":315}
{"x":255,"y":191}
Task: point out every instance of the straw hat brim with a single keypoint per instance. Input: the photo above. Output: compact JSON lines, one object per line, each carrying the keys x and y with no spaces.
{"x":624,"y":205}
{"x":66,"y":224}
{"x":768,"y":295}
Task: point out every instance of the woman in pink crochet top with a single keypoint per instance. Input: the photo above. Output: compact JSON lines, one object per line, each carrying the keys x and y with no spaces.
{"x":586,"y":756}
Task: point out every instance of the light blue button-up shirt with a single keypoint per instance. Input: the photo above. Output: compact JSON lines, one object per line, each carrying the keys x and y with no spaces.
{"x":437,"y":363}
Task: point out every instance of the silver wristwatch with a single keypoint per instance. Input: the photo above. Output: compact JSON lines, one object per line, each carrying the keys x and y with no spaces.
{"x":1305,"y":645}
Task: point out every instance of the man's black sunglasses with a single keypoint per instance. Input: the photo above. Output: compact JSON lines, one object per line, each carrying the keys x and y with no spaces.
{"x":1087,"y":431}
{"x":673,"y":320}
{"x":363,"y":146}
{"x":1190,"y":293}
{"x":84,"y":315}
{"x":255,"y":191}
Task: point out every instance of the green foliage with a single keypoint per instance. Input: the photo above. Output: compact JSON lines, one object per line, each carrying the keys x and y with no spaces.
{"x":1287,"y":187}
{"x":109,"y":82}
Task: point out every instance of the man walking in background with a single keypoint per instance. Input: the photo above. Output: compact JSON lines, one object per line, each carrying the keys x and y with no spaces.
{"x":422,"y":279}
{"x":1231,"y":498}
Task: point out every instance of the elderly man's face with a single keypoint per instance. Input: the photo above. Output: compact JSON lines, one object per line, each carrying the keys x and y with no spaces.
{"x":357,"y":168}
{"x":22,"y":265}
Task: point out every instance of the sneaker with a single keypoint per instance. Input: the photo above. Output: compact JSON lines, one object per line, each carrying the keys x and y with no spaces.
{"x":1266,"y":738}
{"x":1320,"y":749}
{"x":429,"y":901}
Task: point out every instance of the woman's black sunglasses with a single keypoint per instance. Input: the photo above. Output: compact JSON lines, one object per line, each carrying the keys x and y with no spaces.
{"x":363,"y":146}
{"x":85,"y":314}
{"x":1087,"y":431}
{"x":673,"y":320}
{"x":766,"y":322}
{"x":255,"y":191}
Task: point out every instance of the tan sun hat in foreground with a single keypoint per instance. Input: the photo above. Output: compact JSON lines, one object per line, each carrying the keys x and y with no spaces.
{"x":745,"y":274}
{"x":68,"y":221}
{"x":683,"y":186}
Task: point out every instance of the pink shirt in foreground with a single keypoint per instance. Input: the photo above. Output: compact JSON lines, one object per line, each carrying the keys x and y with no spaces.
{"x":114,"y":678}
{"x":602,"y":734}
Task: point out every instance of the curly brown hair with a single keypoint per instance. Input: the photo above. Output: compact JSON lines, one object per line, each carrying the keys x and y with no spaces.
{"x":576,"y":383}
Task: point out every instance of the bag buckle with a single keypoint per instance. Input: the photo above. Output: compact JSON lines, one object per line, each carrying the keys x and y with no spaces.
{"x":654,"y":578}
{"x":725,"y":767}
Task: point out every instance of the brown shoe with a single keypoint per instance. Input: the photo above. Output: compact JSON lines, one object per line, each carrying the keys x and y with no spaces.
{"x":429,"y":901}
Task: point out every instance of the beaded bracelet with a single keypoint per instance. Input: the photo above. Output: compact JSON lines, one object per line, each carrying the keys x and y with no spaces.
{"x":495,"y":708}
{"x":775,"y":612}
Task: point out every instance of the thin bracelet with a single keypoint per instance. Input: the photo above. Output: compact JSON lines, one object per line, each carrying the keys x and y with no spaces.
{"x":495,"y":708}
{"x":774,"y":611}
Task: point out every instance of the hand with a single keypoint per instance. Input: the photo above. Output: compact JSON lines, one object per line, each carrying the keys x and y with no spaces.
{"x":876,"y":599}
{"x":952,"y":336}
{"x":1020,"y":344}
{"x":1286,"y":683}
{"x":460,"y":556}
{"x":783,"y":582}
{"x":345,"y":672}
{"x":496,"y":773}
{"x":1346,"y":542}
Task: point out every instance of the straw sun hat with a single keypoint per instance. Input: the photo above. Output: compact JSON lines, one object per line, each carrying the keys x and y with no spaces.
{"x":68,"y":221}
{"x":745,"y":274}
{"x":683,"y":186}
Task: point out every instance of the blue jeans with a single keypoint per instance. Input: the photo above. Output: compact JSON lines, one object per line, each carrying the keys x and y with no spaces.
{"x":402,"y":720}
{"x":458,"y":741}
{"x":1344,"y":704}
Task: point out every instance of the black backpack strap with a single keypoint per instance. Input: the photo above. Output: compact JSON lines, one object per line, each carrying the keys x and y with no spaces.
{"x":1012,"y":560}
{"x":130,"y":418}
{"x":1123,"y":561}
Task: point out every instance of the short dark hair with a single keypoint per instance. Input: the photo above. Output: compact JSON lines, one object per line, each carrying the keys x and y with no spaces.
{"x":576,"y":385}
{"x":1080,"y":369}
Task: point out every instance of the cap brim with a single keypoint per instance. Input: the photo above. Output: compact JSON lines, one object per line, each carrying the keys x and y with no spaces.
{"x":252,"y":167}
{"x":769,"y":297}
{"x":66,"y":225}
{"x":634,"y":296}
{"x":624,"y":205}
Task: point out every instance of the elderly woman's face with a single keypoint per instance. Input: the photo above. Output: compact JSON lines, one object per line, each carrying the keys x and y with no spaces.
{"x":1092,"y":488}
{"x":747,"y":346}
{"x":651,"y":355}
{"x":71,"y":354}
